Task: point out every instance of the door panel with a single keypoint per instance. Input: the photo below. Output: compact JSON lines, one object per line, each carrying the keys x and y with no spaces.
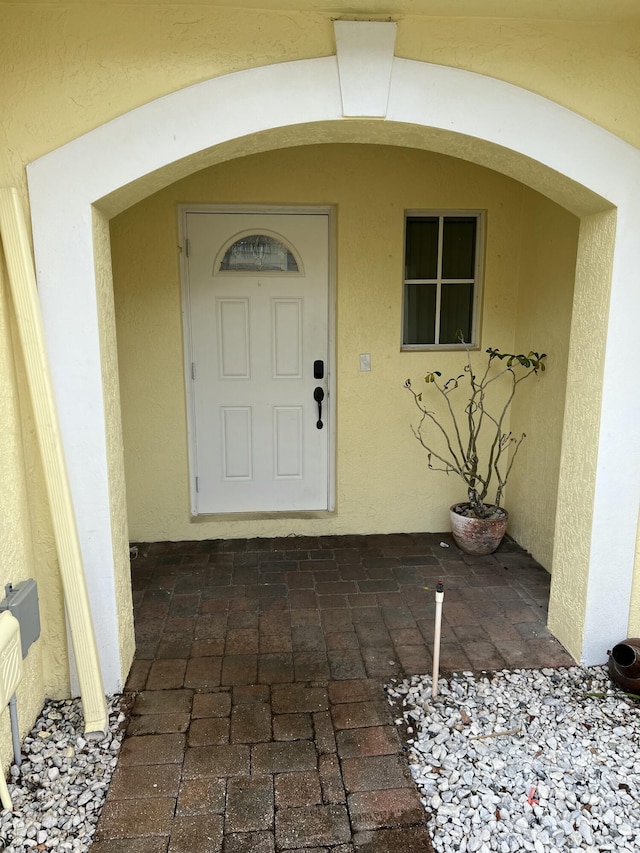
{"x":255,"y":332}
{"x":232,"y":316}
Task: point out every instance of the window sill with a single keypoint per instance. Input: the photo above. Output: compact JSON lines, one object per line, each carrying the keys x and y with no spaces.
{"x":439,"y":347}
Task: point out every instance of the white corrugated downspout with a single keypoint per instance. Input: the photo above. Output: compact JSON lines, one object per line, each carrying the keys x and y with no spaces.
{"x":17,"y":252}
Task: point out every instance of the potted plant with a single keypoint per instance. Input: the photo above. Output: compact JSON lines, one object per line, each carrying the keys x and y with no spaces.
{"x":472,"y":440}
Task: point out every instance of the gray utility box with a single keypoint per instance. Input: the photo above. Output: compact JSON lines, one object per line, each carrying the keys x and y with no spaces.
{"x":22,"y":602}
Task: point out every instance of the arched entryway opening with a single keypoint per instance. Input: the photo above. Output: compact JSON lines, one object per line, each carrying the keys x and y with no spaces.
{"x":586,"y":170}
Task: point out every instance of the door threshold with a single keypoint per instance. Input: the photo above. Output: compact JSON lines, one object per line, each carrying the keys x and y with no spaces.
{"x":257,"y":516}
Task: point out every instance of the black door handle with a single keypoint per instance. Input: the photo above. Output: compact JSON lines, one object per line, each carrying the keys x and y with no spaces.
{"x":318,"y":396}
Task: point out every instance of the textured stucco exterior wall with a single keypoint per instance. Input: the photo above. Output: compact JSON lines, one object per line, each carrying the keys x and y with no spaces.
{"x":634,"y":609}
{"x":68,"y":67}
{"x":580,"y":431}
{"x":16,"y":548}
{"x":113,"y":422}
{"x":573,"y":63}
{"x":43,"y":562}
{"x":543,"y":323}
{"x":383,"y":483}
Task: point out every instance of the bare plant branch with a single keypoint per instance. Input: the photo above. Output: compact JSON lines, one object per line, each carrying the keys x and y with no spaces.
{"x":463,"y":433}
{"x":430,"y":415}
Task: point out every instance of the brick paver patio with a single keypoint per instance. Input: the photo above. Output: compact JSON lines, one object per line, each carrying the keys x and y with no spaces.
{"x":259,"y":720}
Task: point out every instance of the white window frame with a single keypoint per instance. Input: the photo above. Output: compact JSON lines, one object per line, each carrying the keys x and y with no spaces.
{"x":476,"y":281}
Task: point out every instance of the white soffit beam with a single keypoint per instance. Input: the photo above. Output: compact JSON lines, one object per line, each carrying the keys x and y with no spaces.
{"x":365,"y":60}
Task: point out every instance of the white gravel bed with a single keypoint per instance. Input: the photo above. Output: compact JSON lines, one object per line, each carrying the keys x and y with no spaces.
{"x":61,"y":785}
{"x":544,"y":760}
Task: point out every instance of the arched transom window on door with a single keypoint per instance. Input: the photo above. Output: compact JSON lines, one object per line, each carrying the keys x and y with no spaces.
{"x":259,"y":253}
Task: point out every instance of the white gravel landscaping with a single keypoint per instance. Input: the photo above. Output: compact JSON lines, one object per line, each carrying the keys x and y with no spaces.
{"x":61,"y":785}
{"x":544,"y":760}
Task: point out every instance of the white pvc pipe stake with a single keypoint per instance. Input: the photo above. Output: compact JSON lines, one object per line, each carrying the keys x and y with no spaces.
{"x":436,"y":639}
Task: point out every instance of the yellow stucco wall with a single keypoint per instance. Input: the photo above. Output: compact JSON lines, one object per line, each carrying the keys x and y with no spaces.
{"x":25,"y":551}
{"x":383,"y":483}
{"x":117,"y":488}
{"x":581,"y":429}
{"x":634,"y":609}
{"x":543,"y":323}
{"x":66,"y":68}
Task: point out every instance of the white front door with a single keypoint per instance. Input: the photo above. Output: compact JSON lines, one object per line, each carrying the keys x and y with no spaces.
{"x":258,"y":303}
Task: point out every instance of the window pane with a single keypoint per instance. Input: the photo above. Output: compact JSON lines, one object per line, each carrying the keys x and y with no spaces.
{"x":258,"y":253}
{"x":421,"y":259}
{"x":419,"y":313}
{"x":459,"y":247}
{"x":456,"y":306}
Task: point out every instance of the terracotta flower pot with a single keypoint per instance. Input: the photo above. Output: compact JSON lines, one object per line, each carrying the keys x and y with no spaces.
{"x":477,"y":536}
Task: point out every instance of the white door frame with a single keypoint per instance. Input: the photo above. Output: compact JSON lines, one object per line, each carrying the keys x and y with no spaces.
{"x":327,"y":210}
{"x":76,"y":188}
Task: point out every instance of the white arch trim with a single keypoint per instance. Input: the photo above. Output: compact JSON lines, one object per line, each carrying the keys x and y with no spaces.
{"x":487,"y":114}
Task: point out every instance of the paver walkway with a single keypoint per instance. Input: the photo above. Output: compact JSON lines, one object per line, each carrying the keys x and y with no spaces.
{"x":259,"y":719}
